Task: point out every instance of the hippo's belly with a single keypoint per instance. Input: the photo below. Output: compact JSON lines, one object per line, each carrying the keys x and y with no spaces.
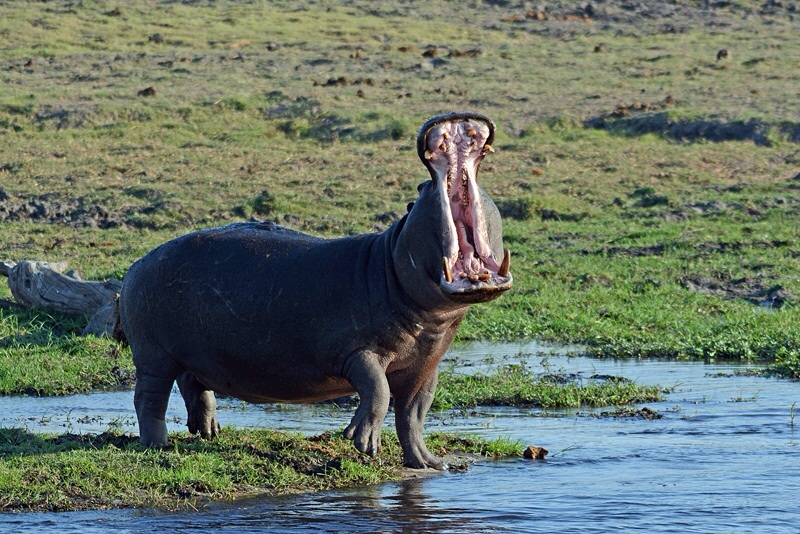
{"x":262,"y":317}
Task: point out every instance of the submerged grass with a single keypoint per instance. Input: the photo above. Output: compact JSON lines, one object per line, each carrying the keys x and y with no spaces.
{"x":71,"y":472}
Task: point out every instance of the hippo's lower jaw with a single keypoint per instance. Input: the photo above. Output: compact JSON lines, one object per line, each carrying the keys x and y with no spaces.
{"x":452,"y":147}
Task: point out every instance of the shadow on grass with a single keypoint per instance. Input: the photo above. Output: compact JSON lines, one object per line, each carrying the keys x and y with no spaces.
{"x":696,"y":129}
{"x":21,"y":442}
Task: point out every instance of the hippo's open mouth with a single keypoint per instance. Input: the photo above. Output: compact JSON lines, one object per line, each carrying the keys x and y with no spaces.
{"x":452,"y":146}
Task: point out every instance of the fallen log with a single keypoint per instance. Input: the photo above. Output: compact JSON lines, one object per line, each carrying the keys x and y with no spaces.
{"x":50,"y":286}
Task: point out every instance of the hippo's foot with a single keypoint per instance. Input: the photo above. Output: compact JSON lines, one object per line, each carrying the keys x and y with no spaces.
{"x":201,"y":406}
{"x":365,"y":431}
{"x":420,"y":458}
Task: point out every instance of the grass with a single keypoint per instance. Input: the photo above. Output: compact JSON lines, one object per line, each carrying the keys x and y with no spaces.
{"x":515,"y":385}
{"x":43,"y":354}
{"x":94,"y":471}
{"x":290,"y":114}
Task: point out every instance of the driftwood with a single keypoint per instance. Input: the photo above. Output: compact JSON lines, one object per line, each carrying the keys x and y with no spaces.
{"x":50,"y":286}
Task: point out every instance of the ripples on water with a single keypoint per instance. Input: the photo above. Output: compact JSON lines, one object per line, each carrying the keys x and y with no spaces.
{"x":724,"y":458}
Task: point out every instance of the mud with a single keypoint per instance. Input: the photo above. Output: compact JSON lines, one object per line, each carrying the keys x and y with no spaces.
{"x":57,"y":208}
{"x":54,"y":208}
{"x":752,"y":289}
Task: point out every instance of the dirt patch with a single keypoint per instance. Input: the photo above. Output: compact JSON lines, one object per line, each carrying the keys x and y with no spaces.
{"x":754,"y":290}
{"x":53,"y":208}
{"x":634,"y":252}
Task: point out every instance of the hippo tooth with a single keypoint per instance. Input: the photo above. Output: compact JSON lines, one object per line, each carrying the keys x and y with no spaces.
{"x":484,"y":276}
{"x":446,"y":135}
{"x":488,"y":148}
{"x":443,"y":147}
{"x":448,"y":275}
{"x":506,"y":265}
{"x":462,"y":274}
{"x":428,"y":154}
{"x":473,"y":278}
{"x":471,"y":133}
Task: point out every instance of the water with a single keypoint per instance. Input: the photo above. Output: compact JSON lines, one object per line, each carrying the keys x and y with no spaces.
{"x":725,"y":457}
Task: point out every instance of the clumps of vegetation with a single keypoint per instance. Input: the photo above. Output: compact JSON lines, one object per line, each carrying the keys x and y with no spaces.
{"x":111,"y":470}
{"x":786,"y":365}
{"x":516,"y":385}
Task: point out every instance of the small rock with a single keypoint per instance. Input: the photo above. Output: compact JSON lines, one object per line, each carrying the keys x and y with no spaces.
{"x":147,"y":91}
{"x":535,"y":453}
{"x":155,"y":38}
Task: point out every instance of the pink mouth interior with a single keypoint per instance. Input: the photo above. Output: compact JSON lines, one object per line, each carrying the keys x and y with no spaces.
{"x":455,"y":150}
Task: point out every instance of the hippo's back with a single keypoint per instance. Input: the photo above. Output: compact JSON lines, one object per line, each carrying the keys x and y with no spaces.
{"x":204,"y":283}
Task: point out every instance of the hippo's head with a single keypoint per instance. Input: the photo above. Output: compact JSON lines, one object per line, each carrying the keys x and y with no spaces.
{"x":454,"y":219}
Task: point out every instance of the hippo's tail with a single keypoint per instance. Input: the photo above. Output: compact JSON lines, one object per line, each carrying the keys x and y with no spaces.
{"x":117,"y":333}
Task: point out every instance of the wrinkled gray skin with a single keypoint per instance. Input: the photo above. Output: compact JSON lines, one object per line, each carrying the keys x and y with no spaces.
{"x":266,"y":314}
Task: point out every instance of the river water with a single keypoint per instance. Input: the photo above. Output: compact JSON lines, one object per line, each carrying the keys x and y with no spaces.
{"x":725,"y":457}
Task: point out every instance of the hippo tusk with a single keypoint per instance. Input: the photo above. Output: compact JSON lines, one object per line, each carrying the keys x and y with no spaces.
{"x":448,"y":275}
{"x":506,"y":265}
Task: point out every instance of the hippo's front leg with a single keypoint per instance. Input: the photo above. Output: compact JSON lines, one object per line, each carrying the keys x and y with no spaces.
{"x":364,"y":371}
{"x":410,"y":406}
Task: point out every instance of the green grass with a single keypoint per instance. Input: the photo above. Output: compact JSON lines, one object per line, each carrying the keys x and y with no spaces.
{"x":43,"y":354}
{"x":515,"y":385}
{"x":244,"y":123}
{"x":70,"y":472}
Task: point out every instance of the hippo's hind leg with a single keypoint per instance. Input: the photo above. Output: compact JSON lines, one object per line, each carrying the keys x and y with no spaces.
{"x":411,"y":405}
{"x":155,"y":375}
{"x":201,"y":406}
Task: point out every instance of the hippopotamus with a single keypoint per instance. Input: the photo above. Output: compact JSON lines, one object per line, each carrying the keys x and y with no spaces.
{"x":265,"y":313}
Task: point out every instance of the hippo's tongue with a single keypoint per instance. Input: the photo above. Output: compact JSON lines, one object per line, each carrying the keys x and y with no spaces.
{"x":453,"y":147}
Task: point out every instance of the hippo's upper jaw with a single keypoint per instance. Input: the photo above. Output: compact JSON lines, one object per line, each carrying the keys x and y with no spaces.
{"x":452,"y":147}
